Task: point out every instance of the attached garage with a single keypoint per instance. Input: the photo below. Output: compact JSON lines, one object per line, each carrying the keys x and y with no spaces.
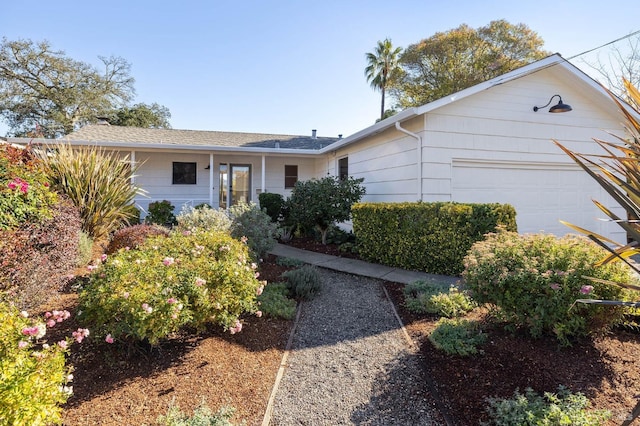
{"x":542,"y":194}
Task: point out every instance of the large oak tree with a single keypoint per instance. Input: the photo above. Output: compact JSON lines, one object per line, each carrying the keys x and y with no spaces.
{"x":451,"y":61}
{"x":45,"y":93}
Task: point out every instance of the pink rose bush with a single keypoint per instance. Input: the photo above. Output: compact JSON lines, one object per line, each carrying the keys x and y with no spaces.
{"x":35,"y":379}
{"x":533,"y":282}
{"x":193,"y":279}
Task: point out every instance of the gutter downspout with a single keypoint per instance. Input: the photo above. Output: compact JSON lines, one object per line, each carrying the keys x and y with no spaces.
{"x":419,"y":152}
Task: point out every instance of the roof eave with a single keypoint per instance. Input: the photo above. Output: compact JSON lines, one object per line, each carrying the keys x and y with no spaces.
{"x":153,"y":146}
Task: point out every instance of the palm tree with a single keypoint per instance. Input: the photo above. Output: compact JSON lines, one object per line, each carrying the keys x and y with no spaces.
{"x":381,"y":63}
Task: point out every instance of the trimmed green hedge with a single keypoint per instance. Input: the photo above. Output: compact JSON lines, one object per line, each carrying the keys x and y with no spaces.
{"x":429,"y":237}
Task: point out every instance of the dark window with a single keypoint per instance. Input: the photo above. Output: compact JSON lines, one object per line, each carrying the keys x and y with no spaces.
{"x":343,"y":168}
{"x":290,"y":176}
{"x":184,"y":173}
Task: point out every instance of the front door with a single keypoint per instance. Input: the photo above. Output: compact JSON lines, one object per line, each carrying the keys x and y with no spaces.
{"x":235,"y":187}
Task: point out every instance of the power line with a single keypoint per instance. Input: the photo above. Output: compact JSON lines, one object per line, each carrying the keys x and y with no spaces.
{"x":606,"y":44}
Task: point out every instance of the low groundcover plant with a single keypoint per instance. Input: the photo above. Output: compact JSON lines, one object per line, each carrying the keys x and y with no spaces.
{"x":190,"y":278}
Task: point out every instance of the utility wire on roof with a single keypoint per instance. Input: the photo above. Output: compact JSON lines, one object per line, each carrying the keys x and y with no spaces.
{"x":606,"y":44}
{"x":524,"y":73}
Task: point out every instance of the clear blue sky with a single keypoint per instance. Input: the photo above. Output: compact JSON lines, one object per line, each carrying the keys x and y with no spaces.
{"x":277,"y":66}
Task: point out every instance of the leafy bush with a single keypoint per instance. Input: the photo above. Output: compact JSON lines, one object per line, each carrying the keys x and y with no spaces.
{"x":272,"y":204}
{"x":252,"y":223}
{"x":430,"y":237}
{"x":563,"y":408}
{"x":37,"y":258}
{"x":457,"y":336}
{"x":133,"y":236}
{"x":186,"y":279}
{"x":204,"y":217}
{"x":422,"y":297}
{"x":85,"y":249}
{"x":161,"y":213}
{"x":289,"y":262}
{"x":320,"y":203}
{"x":98,"y":182}
{"x":25,"y":195}
{"x":33,"y":375}
{"x":535,"y":279}
{"x":274,"y":301}
{"x":303,"y":283}
{"x":202,"y":416}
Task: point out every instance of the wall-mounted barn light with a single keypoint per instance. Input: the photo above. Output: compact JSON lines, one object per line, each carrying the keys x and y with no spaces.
{"x":560,"y":107}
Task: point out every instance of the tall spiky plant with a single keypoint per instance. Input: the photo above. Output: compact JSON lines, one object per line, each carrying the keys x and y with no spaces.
{"x":98,"y":182}
{"x":618,"y":172}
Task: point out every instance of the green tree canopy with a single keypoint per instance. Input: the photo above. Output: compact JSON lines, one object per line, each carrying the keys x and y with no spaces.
{"x":381,"y":64}
{"x":451,"y":61}
{"x":322,"y":202}
{"x":152,"y":116}
{"x":43,"y":92}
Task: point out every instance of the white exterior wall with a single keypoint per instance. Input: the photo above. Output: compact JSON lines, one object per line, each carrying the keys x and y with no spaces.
{"x":155,"y":176}
{"x":492,"y":147}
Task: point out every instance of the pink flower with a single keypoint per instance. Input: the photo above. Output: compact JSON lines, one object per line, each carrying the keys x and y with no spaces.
{"x":30,"y":331}
{"x":103,"y":257}
{"x":259,"y":290}
{"x":125,"y":295}
{"x":167,"y":261}
{"x":51,"y":323}
{"x":186,"y":233}
{"x":174,"y":316}
{"x":200,"y":282}
{"x":554,"y":286}
{"x":237,"y":328}
{"x":148,"y":309}
{"x":259,"y":314}
{"x":80,"y":334}
{"x":62,"y":344}
{"x":171,"y":300}
{"x":12,"y":185}
{"x":586,"y":289}
{"x":22,"y":344}
{"x":108,"y":339}
{"x":92,"y":268}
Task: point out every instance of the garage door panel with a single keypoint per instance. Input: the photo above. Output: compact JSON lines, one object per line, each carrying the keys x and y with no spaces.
{"x":541,"y":194}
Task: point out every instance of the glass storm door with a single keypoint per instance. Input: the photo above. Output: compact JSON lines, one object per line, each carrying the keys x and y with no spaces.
{"x":235,"y":187}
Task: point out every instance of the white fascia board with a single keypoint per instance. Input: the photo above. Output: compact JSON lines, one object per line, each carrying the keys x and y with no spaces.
{"x":371,"y":130}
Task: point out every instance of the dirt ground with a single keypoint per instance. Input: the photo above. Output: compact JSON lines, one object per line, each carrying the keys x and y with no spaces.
{"x":114,"y":386}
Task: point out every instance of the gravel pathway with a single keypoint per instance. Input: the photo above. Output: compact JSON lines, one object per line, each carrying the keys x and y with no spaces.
{"x":350,"y":362}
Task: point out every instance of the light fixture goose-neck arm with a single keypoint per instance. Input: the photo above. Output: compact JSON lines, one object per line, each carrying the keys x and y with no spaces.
{"x":560,"y":107}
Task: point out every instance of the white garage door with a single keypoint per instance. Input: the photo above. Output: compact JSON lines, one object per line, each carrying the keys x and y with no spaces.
{"x":542,"y":194}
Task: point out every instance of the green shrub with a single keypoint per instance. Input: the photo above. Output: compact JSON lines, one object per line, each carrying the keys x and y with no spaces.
{"x":37,"y":258}
{"x":161,"y":213}
{"x":186,"y":279}
{"x":422,"y":297}
{"x":429,"y":237}
{"x":289,"y":262}
{"x":320,"y":203}
{"x":250,"y":222}
{"x":562,"y":408}
{"x":133,"y":236}
{"x":33,"y":375}
{"x":457,"y":336}
{"x":303,"y":283}
{"x":85,"y":249}
{"x":274,"y":301}
{"x":272,"y":204}
{"x":25,"y":195}
{"x":204,"y":217}
{"x":535,"y":279}
{"x":202,"y":416}
{"x":98,"y":182}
